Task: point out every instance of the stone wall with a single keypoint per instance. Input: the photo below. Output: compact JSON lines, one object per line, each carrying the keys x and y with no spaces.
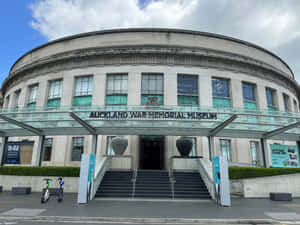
{"x":261,"y":187}
{"x":37,"y":183}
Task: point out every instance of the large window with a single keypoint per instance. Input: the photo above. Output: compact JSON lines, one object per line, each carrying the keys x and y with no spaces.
{"x":295,"y":106}
{"x":187,"y":90}
{"x":254,"y":152}
{"x":48,"y":149}
{"x":220,"y":90}
{"x":270,"y":94}
{"x":152,"y":89}
{"x":7,"y":101}
{"x":54,"y":94}
{"x":225,"y":148}
{"x":32,"y":96}
{"x":249,"y":98}
{"x":83,"y":91}
{"x":116,"y":89}
{"x":287,"y":103}
{"x":17,"y":98}
{"x":77,"y":148}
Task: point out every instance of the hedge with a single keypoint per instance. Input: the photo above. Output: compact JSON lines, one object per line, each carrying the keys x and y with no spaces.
{"x":55,"y":171}
{"x":251,"y":172}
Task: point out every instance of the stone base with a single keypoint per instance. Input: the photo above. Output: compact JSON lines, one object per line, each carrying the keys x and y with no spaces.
{"x":21,"y":190}
{"x":280,"y":196}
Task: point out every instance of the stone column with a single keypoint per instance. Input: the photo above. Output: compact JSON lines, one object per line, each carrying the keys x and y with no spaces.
{"x":236,"y":94}
{"x":134,"y":88}
{"x":99,"y":89}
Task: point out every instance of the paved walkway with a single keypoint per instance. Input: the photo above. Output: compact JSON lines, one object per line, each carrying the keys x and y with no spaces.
{"x":247,"y":210}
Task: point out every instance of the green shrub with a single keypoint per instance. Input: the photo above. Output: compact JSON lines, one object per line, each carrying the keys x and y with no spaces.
{"x":56,"y":171}
{"x":250,"y":172}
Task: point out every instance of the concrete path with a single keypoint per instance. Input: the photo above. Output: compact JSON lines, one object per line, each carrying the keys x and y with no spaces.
{"x":245,"y":211}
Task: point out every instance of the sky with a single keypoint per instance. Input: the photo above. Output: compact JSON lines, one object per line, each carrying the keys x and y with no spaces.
{"x":271,"y":24}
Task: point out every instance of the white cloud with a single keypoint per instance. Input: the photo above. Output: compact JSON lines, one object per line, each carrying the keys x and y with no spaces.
{"x":269,"y":23}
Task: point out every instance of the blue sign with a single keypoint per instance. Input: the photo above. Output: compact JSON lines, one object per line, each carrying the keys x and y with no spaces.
{"x":216,"y":169}
{"x":91,"y":168}
{"x":12,"y":153}
{"x":284,"y":156}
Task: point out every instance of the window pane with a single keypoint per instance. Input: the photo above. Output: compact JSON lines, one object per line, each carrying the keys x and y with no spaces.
{"x":55,"y":89}
{"x":248,"y":92}
{"x":254,"y":152}
{"x":187,"y":84}
{"x":32,"y":94}
{"x":152,"y":100}
{"x":270,"y":97}
{"x":82,"y":101}
{"x":221,"y":102}
{"x":47,"y":149}
{"x":17,"y":98}
{"x":117,"y":84}
{"x":187,"y":100}
{"x":116,"y":99}
{"x":84,"y":86}
{"x":152,"y":84}
{"x":77,"y":148}
{"x":225,"y":149}
{"x":220,"y":88}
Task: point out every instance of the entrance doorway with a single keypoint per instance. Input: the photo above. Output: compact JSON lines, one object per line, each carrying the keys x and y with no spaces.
{"x":152,"y":152}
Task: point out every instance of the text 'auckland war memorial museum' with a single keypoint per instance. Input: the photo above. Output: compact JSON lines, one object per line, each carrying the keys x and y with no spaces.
{"x":151,"y":92}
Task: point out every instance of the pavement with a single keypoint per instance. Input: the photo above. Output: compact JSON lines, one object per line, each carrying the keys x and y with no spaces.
{"x":27,"y":209}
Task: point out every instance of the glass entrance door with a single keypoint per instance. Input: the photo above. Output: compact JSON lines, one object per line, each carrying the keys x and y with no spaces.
{"x":152,"y":152}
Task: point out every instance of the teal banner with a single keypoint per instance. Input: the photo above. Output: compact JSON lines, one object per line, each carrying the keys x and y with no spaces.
{"x":284,"y":156}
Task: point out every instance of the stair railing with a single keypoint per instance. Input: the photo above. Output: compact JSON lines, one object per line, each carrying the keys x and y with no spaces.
{"x":134,"y":176}
{"x":99,"y":174}
{"x":171,"y":175}
{"x":205,"y":170}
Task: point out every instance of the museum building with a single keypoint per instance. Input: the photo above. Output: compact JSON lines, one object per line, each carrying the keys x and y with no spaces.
{"x":152,"y":86}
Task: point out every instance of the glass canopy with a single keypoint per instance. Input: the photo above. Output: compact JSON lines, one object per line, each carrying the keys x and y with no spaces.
{"x":150,"y":120}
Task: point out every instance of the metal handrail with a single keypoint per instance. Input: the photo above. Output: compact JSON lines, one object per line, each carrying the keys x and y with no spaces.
{"x":99,"y":174}
{"x":171,"y":175}
{"x":207,"y":179}
{"x":134,"y":175}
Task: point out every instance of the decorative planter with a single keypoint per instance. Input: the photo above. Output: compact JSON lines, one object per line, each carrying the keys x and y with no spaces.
{"x":184,"y":146}
{"x":119,"y":145}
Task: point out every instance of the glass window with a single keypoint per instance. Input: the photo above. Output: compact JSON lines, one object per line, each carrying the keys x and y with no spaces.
{"x":270,"y":97}
{"x":249,"y":92}
{"x":187,"y":88}
{"x":295,"y":106}
{"x":225,"y":149}
{"x":286,"y":102}
{"x":55,"y":89}
{"x":152,"y":84}
{"x":220,"y":87}
{"x":48,"y":149}
{"x":187,"y":84}
{"x":254,"y":152}
{"x":17,"y":98}
{"x":116,"y":84}
{"x":116,"y":89}
{"x":32,"y":96}
{"x":77,"y":148}
{"x":7,"y":101}
{"x":109,"y":150}
{"x":84,"y":86}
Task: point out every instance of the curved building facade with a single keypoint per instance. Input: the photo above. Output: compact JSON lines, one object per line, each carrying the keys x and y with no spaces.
{"x":144,"y":68}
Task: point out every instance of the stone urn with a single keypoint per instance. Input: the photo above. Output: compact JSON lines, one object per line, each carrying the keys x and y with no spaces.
{"x":184,"y":146}
{"x":119,"y":144}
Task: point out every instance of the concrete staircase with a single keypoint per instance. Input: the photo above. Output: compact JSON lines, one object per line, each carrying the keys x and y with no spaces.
{"x":152,"y":184}
{"x":190,"y":185}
